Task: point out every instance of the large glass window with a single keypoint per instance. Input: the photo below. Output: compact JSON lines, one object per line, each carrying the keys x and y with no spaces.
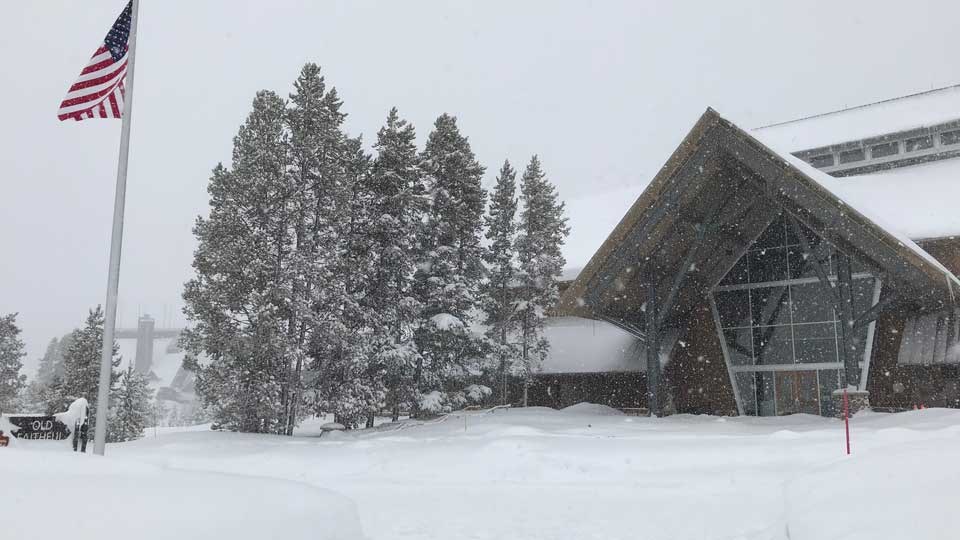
{"x":780,"y":330}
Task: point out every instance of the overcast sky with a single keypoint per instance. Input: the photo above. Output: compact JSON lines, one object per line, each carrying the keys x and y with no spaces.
{"x":602,"y":91}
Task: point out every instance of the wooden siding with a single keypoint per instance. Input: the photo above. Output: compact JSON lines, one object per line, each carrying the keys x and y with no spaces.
{"x":697,"y":373}
{"x":946,"y":250}
{"x":895,"y":386}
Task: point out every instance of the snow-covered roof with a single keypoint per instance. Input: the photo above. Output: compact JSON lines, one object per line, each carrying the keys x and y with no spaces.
{"x":917,"y":202}
{"x":918,"y":110}
{"x":685,"y":186}
{"x":579,"y":345}
{"x":921,"y":201}
{"x":881,"y":211}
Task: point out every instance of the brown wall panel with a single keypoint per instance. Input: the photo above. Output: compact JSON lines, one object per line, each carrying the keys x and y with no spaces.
{"x":697,"y":373}
{"x":900,"y":387}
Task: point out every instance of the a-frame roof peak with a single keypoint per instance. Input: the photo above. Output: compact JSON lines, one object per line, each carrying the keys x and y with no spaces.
{"x":716,"y":193}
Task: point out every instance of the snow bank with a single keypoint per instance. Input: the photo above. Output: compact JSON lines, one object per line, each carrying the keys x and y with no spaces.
{"x":81,"y":497}
{"x":592,"y":408}
{"x":537,"y":473}
{"x":897,"y":493}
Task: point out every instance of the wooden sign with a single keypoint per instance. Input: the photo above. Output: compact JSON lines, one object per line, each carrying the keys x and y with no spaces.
{"x":39,"y":428}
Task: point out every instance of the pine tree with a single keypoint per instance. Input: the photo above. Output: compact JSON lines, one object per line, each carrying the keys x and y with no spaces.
{"x":543,"y":229}
{"x":12,"y":352}
{"x":129,"y":407}
{"x":500,"y":288}
{"x":49,"y":371}
{"x":279,"y":268}
{"x":318,"y":151}
{"x":331,"y":262}
{"x":350,"y":381}
{"x":81,"y":377}
{"x":239,"y":300}
{"x":47,"y":368}
{"x":396,"y":195}
{"x":450,"y":270}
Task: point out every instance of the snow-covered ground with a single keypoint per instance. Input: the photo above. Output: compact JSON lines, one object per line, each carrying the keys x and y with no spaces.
{"x":525,"y":474}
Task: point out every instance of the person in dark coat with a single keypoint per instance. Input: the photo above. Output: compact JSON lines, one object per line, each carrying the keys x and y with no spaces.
{"x":83,"y":436}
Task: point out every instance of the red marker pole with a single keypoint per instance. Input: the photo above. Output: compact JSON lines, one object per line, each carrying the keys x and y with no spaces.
{"x":846,"y":418}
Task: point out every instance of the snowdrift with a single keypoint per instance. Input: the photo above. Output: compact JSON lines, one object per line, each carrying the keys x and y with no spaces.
{"x":54,"y":495}
{"x":592,"y":408}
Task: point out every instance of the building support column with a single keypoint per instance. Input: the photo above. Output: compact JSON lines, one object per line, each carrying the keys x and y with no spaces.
{"x":653,"y":352}
{"x":858,"y":399}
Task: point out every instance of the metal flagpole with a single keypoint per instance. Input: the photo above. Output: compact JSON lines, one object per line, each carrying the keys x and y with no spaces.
{"x":116,"y":241}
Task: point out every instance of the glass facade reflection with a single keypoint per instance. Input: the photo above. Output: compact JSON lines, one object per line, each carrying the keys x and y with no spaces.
{"x":779,"y":325}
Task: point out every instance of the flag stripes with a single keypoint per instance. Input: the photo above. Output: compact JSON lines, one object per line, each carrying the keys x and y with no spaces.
{"x":99,"y":90}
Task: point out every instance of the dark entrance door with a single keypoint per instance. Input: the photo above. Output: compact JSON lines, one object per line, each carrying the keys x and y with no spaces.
{"x":797,"y":392}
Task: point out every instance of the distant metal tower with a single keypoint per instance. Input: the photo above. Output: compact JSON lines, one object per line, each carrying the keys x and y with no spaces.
{"x":146,"y":333}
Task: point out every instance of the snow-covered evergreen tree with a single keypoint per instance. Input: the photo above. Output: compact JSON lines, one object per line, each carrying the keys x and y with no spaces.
{"x":350,"y":382}
{"x":43,"y":391}
{"x":51,"y":364}
{"x":396,"y":199}
{"x":280,"y":268}
{"x":81,"y":365}
{"x":449,"y":273}
{"x":327,"y":319}
{"x":499,"y":291}
{"x":542,"y":232}
{"x":12,"y":351}
{"x":239,"y":300}
{"x":325,"y":165}
{"x":130,"y":408}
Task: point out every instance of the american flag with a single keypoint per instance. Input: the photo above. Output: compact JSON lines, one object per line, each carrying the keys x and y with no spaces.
{"x":98,"y":92}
